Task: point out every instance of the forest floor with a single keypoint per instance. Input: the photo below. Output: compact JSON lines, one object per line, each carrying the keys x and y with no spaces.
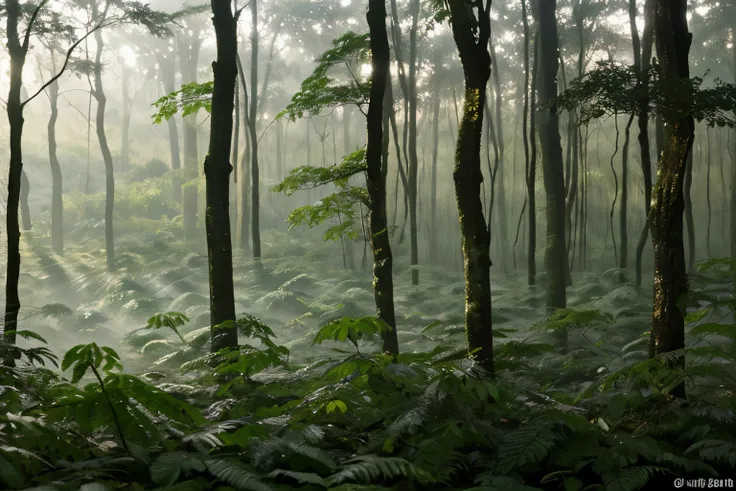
{"x":299,"y":406}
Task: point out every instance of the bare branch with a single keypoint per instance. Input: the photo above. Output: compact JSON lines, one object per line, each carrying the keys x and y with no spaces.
{"x":66,"y":62}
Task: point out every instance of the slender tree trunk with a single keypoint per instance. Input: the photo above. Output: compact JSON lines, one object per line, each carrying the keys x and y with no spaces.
{"x":433,"y":226}
{"x":347,"y":149}
{"x":623,"y":216}
{"x":531,"y":262}
{"x":255,"y":180}
{"x":471,"y":36}
{"x":125,"y":143}
{"x":244,"y":181}
{"x":25,"y":210}
{"x":707,"y":193}
{"x":57,"y":202}
{"x":552,"y":163}
{"x":189,"y":60}
{"x":376,"y":175}
{"x":670,"y":278}
{"x":99,"y":95}
{"x":532,"y":177}
{"x":413,"y":159}
{"x":646,"y":163}
{"x":167,"y":73}
{"x":502,"y":232}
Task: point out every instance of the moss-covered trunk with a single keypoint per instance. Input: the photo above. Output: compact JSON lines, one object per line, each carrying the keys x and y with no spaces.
{"x":383,"y":283}
{"x":670,"y":279}
{"x":471,"y":37}
{"x":217,"y":169}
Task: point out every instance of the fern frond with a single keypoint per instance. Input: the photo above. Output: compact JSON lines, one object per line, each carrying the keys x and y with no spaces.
{"x":371,"y":468}
{"x":527,"y":444}
{"x":236,"y":474}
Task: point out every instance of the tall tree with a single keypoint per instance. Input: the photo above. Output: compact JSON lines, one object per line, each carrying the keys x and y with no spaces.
{"x":471,"y":29}
{"x":673,"y":41}
{"x":18,"y":50}
{"x":413,"y":162}
{"x":555,"y":252}
{"x":217,"y":169}
{"x":98,"y":92}
{"x":189,"y":42}
{"x":255,"y":181}
{"x":376,"y":173}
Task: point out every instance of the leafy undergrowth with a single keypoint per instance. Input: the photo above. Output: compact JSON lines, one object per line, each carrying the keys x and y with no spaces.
{"x":306,"y":401}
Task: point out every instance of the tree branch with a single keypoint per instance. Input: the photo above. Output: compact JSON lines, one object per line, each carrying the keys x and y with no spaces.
{"x":66,"y":62}
{"x":27,"y":37}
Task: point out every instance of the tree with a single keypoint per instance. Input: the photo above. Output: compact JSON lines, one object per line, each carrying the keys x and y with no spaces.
{"x":376,"y":173}
{"x":673,"y":41}
{"x":18,"y":50}
{"x":555,"y":253}
{"x":471,"y":29}
{"x":255,"y":181}
{"x":217,"y":169}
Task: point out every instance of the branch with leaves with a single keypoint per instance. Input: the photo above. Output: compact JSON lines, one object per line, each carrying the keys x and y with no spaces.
{"x":613,"y":88}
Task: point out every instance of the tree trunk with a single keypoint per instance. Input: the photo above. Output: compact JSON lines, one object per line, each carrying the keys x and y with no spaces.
{"x":552,"y":164}
{"x":502,"y":232}
{"x":376,"y":175}
{"x":255,"y":181}
{"x":623,"y":215}
{"x":189,"y":60}
{"x":532,"y":177}
{"x":17,"y":52}
{"x":124,"y":144}
{"x":99,"y":95}
{"x":434,"y":229}
{"x":217,"y":169}
{"x":531,"y":261}
{"x":670,"y":278}
{"x":167,"y":73}
{"x":25,"y":210}
{"x":413,"y":159}
{"x":733,"y":170}
{"x":57,"y":202}
{"x":471,"y":36}
{"x":244,"y":182}
{"x":642,"y":61}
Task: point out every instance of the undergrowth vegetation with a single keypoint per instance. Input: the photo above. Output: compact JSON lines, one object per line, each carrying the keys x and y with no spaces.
{"x":308,"y":402}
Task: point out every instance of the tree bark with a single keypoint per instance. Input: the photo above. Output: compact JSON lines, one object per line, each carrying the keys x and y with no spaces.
{"x":552,"y":163}
{"x":376,"y":175}
{"x":17,"y":52}
{"x":217,"y":169}
{"x":471,"y":36}
{"x":673,"y":41}
{"x":531,"y":259}
{"x":502,"y":232}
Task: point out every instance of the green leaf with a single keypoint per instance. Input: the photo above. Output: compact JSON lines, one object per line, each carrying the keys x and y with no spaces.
{"x":336,"y":404}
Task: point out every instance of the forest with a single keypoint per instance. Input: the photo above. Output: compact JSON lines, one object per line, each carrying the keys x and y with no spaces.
{"x":368,"y":245}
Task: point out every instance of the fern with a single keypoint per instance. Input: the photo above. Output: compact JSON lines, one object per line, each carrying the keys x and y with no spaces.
{"x":236,"y":474}
{"x":527,"y":444}
{"x":371,"y":468}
